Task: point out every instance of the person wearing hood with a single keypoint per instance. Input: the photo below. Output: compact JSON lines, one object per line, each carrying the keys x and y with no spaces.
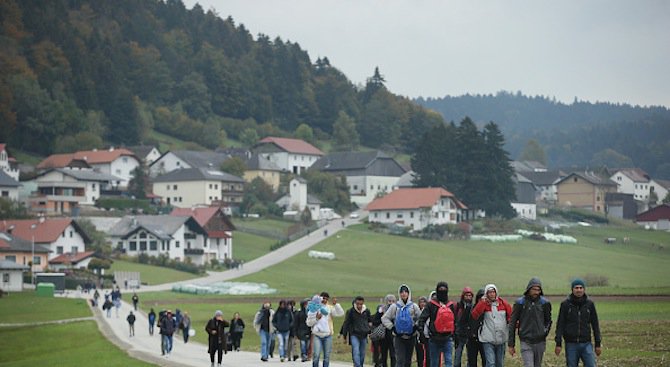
{"x":463,"y":325}
{"x":356,"y":326}
{"x":401,"y":319}
{"x":264,"y":328}
{"x":441,"y":328}
{"x":282,"y":322}
{"x":386,"y":348}
{"x":215,"y":329}
{"x":493,"y":334}
{"x":319,"y":318}
{"x":576,"y":319}
{"x":422,"y":352}
{"x":302,"y":331}
{"x":531,"y":315}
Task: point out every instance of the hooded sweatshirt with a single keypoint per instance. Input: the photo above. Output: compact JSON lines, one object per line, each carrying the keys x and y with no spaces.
{"x":357,"y":322}
{"x":533,"y":317}
{"x":496,"y":316}
{"x":390,"y":315}
{"x":463,"y":314}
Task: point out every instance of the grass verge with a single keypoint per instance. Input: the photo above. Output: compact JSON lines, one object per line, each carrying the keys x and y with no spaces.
{"x":24,"y":307}
{"x":150,"y":274}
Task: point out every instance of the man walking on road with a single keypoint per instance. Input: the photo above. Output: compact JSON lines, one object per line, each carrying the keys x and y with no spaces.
{"x":131,"y":323}
{"x":532,"y":316}
{"x":264,"y":328}
{"x":152,"y":321}
{"x":401,"y":318}
{"x":576,"y":318}
{"x":319,"y":318}
{"x":167,"y":331}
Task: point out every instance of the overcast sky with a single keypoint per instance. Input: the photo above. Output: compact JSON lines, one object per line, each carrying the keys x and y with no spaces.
{"x":595,"y":50}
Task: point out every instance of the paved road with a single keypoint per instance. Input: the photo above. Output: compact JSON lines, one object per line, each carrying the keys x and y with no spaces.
{"x":146,"y":347}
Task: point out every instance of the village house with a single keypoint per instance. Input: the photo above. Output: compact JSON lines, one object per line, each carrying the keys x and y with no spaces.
{"x":186,"y":188}
{"x":655,"y":218}
{"x":59,"y":235}
{"x":9,"y":187}
{"x":660,"y":188}
{"x":620,"y":205}
{"x":291,"y":155}
{"x":61,"y":191}
{"x":8,"y":164}
{"x":178,"y":237}
{"x":298,"y":199}
{"x":633,"y":181}
{"x":146,"y":153}
{"x":12,"y":276}
{"x":416,"y":208}
{"x":267,"y":170}
{"x":184,"y":159}
{"x":79,"y":260}
{"x":545,"y":182}
{"x":368,"y":174}
{"x":526,"y":195}
{"x":584,"y":190}
{"x":117,"y":162}
{"x":219,"y":229}
{"x":20,"y":251}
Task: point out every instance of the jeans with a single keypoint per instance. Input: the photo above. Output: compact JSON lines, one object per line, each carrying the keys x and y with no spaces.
{"x":304,"y":347}
{"x":185,"y":334}
{"x":437,"y":348}
{"x":495,"y":354}
{"x":167,"y":344}
{"x":532,"y":354}
{"x":576,"y":351}
{"x":151,"y":328}
{"x":324,"y":344}
{"x":283,"y":343}
{"x":458,"y":352}
{"x":403,"y":351}
{"x":358,"y":345}
{"x":265,"y":343}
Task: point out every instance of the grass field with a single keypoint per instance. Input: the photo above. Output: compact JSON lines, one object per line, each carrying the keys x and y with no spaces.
{"x":375,"y":264}
{"x":264,"y":224}
{"x":249,"y":246}
{"x":150,"y":274}
{"x":21,"y":307}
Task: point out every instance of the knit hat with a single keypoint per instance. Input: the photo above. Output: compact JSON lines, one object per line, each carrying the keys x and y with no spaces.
{"x":218,"y":313}
{"x":467,"y":290}
{"x":577,"y":282}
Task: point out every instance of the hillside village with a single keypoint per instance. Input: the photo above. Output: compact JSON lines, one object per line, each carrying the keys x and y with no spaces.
{"x":195,"y":201}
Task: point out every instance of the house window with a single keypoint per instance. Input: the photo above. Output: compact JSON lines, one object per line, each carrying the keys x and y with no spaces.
{"x":174,"y":187}
{"x":176,"y":244}
{"x":355,"y":187}
{"x":143,"y":235}
{"x":376,"y":214}
{"x":372,"y":187}
{"x":399,"y":215}
{"x":132,"y":246}
{"x":37,"y":260}
{"x":168,"y":201}
{"x":125,"y":159}
{"x":75,"y":249}
{"x":411,"y":214}
{"x":11,"y":258}
{"x":93,"y":186}
{"x":178,"y":163}
{"x":176,"y":199}
{"x":5,"y":277}
{"x":143,"y":246}
{"x":59,"y":250}
{"x":388,"y":215}
{"x":180,"y":199}
{"x":168,"y":187}
{"x":437,"y":215}
{"x":71,"y":234}
{"x":5,"y":193}
{"x":574,"y":179}
{"x":216,"y":186}
{"x":63,"y":234}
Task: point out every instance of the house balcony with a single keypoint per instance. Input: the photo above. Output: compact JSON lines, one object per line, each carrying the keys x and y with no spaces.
{"x":194,"y":251}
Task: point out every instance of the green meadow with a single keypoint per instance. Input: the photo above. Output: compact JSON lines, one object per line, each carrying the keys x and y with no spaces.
{"x":25,"y":307}
{"x":150,"y":274}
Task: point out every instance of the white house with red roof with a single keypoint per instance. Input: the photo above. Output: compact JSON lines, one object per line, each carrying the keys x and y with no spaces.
{"x":8,"y":163}
{"x":416,"y":208}
{"x":79,"y":260}
{"x":290,"y":155}
{"x":219,"y":241}
{"x":116,"y":162}
{"x":59,"y":235}
{"x":655,"y":218}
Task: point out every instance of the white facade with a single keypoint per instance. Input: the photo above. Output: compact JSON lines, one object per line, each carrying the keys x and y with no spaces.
{"x":187,"y":194}
{"x":153,"y":155}
{"x":298,"y":195}
{"x":58,"y":179}
{"x":526,"y":211}
{"x":9,"y":192}
{"x":122,"y":167}
{"x":220,"y":248}
{"x":364,"y":189}
{"x":444,"y":211}
{"x":548,"y":193}
{"x":167,"y":163}
{"x":70,"y":241}
{"x":291,"y":162}
{"x":661,"y":224}
{"x":660,"y":190}
{"x":639,"y":189}
{"x":11,"y":280}
{"x":5,"y":166}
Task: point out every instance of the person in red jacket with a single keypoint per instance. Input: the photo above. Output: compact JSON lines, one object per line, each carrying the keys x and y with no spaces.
{"x":493,"y":334}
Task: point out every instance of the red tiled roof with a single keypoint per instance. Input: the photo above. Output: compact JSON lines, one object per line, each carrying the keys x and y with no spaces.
{"x":56,"y":161}
{"x":70,"y":258}
{"x":635,"y":174}
{"x":217,"y":234}
{"x":201,"y":215}
{"x":654,"y":214}
{"x":293,"y":145}
{"x":2,"y":147}
{"x":411,"y":198}
{"x":4,"y":244}
{"x":90,"y":156}
{"x":45,"y":232}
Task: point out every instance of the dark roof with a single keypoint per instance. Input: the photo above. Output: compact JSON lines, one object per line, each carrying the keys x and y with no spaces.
{"x":311,"y":199}
{"x":375,"y":163}
{"x":83,"y":174}
{"x":161,"y":226}
{"x":654,"y":214}
{"x":202,"y":159}
{"x":7,"y":181}
{"x":635,"y":174}
{"x":12,"y":243}
{"x":197,"y":174}
{"x":664,"y":183}
{"x":258,"y":162}
{"x":543,"y":178}
{"x":527,"y":166}
{"x":590,"y":177}
{"x":525,"y":190}
{"x":142,"y":150}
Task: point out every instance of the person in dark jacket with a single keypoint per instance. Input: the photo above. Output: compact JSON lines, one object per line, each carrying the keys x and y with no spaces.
{"x":131,"y":323}
{"x":356,"y":326}
{"x":302,"y":331}
{"x":168,"y":326}
{"x":422,"y":352}
{"x":136,"y":300}
{"x":576,"y":319}
{"x":474,"y":334}
{"x":531,"y":315}
{"x":387,"y":348}
{"x":236,"y":331}
{"x":152,"y":321}
{"x":215,"y":329}
{"x":441,"y":342}
{"x":283,"y":321}
{"x":463,"y":312}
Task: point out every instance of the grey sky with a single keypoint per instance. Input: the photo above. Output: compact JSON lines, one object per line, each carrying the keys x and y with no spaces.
{"x":596,"y":50}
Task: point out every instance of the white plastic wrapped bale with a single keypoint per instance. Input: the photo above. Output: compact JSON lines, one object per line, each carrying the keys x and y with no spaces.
{"x":496,"y":238}
{"x":232,"y":288}
{"x":558,"y":238}
{"x":321,"y":255}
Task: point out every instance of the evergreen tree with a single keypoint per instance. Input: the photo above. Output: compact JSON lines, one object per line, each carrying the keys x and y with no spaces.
{"x":501,"y":191}
{"x":139,"y":183}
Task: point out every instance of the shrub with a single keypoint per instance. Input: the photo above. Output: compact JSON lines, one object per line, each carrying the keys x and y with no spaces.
{"x":578,"y":215}
{"x":595,"y":280}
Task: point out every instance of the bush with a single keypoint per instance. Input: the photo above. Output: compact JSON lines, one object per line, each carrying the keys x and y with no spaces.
{"x":164,"y":261}
{"x":126,"y":204}
{"x":578,"y":215}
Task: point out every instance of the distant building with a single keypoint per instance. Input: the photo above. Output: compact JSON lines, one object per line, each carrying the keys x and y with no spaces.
{"x":655,"y":218}
{"x":660,"y":188}
{"x":633,"y":181}
{"x":525,"y":204}
{"x":584,"y":190}
{"x":186,"y":188}
{"x":8,"y":164}
{"x":146,"y":153}
{"x":59,"y":235}
{"x":219,"y":230}
{"x":298,"y":199}
{"x":78,"y":260}
{"x":20,"y":251}
{"x":368,"y":174}
{"x":267,"y":170}
{"x":528,"y":166}
{"x":11,"y":275}
{"x":416,"y":208}
{"x":620,"y":205}
{"x":184,"y":159}
{"x":9,"y":187}
{"x":545,"y":181}
{"x":291,"y":155}
{"x":117,"y":162}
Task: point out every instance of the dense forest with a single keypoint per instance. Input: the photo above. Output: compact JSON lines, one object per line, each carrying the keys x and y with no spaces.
{"x":582,"y":134}
{"x":78,"y":74}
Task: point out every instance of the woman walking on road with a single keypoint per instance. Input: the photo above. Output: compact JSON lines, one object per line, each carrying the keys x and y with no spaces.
{"x":217,"y":336}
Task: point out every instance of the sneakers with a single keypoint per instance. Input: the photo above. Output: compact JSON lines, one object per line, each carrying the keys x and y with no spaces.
{"x":264,"y":359}
{"x":281,"y":359}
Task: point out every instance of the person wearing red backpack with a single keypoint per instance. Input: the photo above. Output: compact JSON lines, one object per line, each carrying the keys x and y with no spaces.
{"x":400,"y":318}
{"x":441,"y":314}
{"x":493,"y":333}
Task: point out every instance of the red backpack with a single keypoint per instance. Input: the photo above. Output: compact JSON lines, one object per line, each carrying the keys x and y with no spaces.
{"x":444,"y":319}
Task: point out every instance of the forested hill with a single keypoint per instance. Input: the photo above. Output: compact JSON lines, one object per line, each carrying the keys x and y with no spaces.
{"x":577,"y":134}
{"x":77,"y":74}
